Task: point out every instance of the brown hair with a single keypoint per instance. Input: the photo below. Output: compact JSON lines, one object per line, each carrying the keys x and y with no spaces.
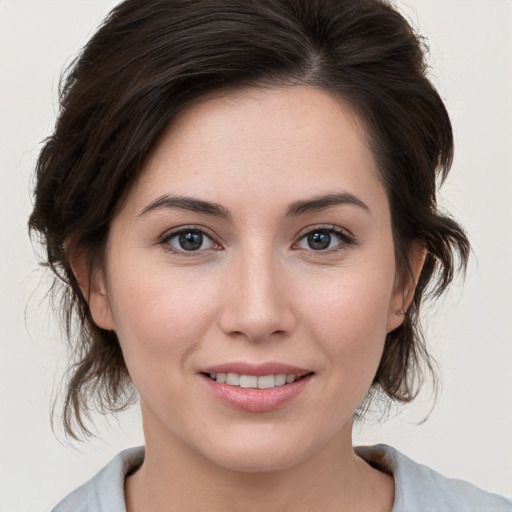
{"x":152,"y":58}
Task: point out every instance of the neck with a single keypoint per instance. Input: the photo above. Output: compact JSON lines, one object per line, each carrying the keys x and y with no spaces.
{"x":175,"y":477}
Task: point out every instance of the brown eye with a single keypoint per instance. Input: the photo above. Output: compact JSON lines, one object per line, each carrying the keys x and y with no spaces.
{"x":323,"y":239}
{"x":319,"y":240}
{"x":189,"y":240}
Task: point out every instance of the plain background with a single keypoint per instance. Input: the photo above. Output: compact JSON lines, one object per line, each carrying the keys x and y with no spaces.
{"x":469,"y":432}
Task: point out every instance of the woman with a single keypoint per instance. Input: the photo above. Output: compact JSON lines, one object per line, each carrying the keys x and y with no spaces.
{"x":240,"y":197}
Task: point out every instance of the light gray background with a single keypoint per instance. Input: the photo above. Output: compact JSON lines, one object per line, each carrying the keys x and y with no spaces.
{"x":469,"y":433}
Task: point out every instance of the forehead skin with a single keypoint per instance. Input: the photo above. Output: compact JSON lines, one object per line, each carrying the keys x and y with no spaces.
{"x":247,"y":129}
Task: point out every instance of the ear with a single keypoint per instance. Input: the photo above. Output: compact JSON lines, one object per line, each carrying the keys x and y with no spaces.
{"x":92,"y":283}
{"x":405,"y":286}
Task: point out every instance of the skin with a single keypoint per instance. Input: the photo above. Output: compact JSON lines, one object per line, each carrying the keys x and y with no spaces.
{"x":255,"y":291}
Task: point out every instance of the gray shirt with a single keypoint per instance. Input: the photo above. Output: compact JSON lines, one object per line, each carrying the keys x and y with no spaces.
{"x":417,"y":487}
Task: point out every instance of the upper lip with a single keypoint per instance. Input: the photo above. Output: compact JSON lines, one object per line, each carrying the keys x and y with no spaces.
{"x":258,"y":370}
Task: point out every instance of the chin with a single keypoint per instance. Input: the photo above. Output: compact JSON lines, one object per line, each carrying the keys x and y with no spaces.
{"x":257,"y":461}
{"x":260,"y":454}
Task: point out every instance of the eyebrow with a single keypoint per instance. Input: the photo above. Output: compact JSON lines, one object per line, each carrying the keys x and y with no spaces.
{"x":319,"y":203}
{"x":296,"y":208}
{"x":186,"y":203}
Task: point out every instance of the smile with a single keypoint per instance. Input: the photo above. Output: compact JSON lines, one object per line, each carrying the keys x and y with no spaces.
{"x":253,"y":381}
{"x":256,"y":387}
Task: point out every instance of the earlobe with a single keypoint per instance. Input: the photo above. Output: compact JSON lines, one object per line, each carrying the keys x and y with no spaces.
{"x":406,"y":286}
{"x":92,"y":283}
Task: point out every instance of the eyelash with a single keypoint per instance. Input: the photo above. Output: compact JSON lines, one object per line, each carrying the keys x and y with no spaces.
{"x":167,"y":237}
{"x":345,"y":238}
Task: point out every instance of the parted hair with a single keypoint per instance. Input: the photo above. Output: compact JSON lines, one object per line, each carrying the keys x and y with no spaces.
{"x":152,"y":58}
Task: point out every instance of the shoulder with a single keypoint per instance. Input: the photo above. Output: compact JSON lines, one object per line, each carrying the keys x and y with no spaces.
{"x":420,"y":489}
{"x":105,"y":491}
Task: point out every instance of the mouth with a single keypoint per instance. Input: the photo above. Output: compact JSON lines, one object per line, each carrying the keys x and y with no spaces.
{"x":256,"y":388}
{"x":254,"y":381}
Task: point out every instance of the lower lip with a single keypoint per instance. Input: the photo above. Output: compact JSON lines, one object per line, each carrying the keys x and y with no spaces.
{"x":256,"y":400}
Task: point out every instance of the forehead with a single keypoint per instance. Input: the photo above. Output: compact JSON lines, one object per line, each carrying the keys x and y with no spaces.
{"x":299,"y":140}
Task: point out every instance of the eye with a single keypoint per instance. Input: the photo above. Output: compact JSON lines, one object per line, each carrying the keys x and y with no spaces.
{"x":323,"y":239}
{"x":189,"y":240}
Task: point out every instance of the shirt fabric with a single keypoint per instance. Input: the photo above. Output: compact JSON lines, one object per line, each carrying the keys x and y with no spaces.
{"x":417,"y":487}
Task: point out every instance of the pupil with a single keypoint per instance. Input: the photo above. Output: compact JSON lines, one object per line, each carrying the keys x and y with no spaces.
{"x":191,"y":241}
{"x":319,"y":240}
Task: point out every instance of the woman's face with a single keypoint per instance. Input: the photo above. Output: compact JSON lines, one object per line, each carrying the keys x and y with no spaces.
{"x":258,"y":243}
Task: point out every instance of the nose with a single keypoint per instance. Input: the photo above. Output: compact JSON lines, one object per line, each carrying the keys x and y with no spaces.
{"x":258,"y":305}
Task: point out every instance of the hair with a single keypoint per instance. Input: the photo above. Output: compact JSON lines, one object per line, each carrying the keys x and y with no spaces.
{"x":149,"y":60}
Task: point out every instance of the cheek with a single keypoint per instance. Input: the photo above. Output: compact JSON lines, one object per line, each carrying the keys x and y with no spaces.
{"x":349,"y":318}
{"x":159,"y":318}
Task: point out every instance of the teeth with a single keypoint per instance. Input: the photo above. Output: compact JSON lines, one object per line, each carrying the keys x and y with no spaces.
{"x":252,"y":381}
{"x":233,"y":379}
{"x":280,"y":379}
{"x":248,"y":381}
{"x":268,"y":381}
